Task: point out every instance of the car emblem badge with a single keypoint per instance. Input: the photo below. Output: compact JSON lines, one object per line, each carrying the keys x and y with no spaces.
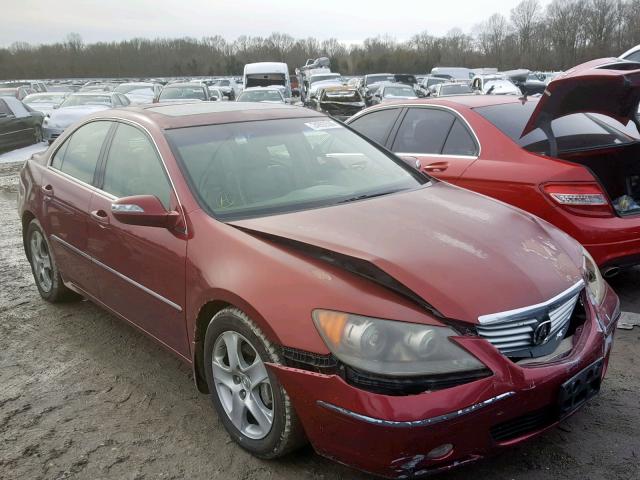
{"x":541,"y":333}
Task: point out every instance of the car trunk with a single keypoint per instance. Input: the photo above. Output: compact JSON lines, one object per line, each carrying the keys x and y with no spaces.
{"x":610,"y":88}
{"x":617,"y":168}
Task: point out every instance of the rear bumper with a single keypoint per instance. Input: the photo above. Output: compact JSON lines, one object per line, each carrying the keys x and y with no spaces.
{"x":623,"y":254}
{"x":611,"y":241}
{"x":391,"y":436}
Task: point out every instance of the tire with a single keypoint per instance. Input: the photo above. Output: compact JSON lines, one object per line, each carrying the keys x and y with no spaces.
{"x":285,"y":432}
{"x":43,"y":266}
{"x":37,"y":134}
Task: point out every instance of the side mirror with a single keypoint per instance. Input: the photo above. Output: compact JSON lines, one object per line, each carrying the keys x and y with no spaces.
{"x":144,"y":211}
{"x":55,"y":107}
{"x":413,"y":162}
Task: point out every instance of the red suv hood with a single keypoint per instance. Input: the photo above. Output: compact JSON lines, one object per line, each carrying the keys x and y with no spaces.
{"x":463,"y":253}
{"x":609,"y":86}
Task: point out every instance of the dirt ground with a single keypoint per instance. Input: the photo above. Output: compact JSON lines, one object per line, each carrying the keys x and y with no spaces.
{"x":82,"y":395}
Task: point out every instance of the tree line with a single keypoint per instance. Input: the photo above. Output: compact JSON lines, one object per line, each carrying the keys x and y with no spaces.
{"x":555,"y":37}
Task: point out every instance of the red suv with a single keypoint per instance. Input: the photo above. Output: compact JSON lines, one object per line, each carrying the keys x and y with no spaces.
{"x":319,"y":287}
{"x":569,"y":157}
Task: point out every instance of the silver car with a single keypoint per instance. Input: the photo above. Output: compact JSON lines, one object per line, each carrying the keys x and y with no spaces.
{"x":77,"y":106}
{"x":44,"y":102}
{"x":139,"y":93}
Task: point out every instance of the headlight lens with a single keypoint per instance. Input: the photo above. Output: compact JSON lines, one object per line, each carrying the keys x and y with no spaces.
{"x":388,"y":347}
{"x":596,"y":285}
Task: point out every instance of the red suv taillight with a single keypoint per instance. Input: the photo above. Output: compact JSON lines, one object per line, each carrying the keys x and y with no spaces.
{"x":580,"y":198}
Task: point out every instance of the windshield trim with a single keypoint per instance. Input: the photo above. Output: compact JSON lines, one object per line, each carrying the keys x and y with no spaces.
{"x":423,"y":179}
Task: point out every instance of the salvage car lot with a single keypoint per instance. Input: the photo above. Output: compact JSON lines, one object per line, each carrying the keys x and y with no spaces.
{"x":66,"y":365}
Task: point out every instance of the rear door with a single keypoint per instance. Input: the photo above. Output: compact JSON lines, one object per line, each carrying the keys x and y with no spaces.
{"x":439,"y":138}
{"x":142,"y":269}
{"x":65,"y":195}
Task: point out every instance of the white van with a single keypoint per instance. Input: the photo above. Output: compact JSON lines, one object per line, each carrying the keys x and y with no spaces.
{"x":458,"y":74}
{"x":265,"y":74}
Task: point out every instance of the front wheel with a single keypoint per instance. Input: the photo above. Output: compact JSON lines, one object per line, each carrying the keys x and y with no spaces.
{"x":251,"y":403}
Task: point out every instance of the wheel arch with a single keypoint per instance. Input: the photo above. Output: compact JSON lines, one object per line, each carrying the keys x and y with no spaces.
{"x":27,"y":217}
{"x":217,"y":302}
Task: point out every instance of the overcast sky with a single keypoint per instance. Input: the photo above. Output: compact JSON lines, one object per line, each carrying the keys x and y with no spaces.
{"x":47,"y":21}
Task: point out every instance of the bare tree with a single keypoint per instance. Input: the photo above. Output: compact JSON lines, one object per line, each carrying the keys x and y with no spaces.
{"x":525,"y":18}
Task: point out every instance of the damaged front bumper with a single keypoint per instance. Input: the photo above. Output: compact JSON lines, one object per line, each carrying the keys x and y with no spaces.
{"x":401,"y":436}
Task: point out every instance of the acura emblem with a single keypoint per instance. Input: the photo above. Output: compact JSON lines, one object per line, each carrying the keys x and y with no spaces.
{"x":541,"y":333}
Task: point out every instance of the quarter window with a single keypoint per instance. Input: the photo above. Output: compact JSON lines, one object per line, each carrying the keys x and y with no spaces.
{"x":423,"y":130}
{"x":79,"y":155}
{"x":459,"y":141}
{"x":376,"y":125}
{"x":133,"y":167}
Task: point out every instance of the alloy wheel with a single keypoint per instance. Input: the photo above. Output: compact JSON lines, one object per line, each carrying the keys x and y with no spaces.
{"x":243,"y":385}
{"x":41,"y":260}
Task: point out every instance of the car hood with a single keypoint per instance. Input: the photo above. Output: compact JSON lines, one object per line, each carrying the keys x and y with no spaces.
{"x":68,"y":115}
{"x":462,"y":253}
{"x":45,"y":108}
{"x":608,"y":86}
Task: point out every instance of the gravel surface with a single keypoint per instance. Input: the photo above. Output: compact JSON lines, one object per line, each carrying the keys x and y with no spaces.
{"x":83,"y":395}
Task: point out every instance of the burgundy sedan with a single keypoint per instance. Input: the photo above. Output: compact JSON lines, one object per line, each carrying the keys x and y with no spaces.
{"x":320,"y":288}
{"x":569,"y":157}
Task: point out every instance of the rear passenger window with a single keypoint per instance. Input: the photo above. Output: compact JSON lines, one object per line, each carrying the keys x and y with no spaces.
{"x":423,"y":130}
{"x":376,"y":125}
{"x":79,"y":155}
{"x":459,"y":141}
{"x":133,"y":167}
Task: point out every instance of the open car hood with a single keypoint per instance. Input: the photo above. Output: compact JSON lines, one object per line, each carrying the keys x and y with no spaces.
{"x":456,"y":253}
{"x":608,"y":86}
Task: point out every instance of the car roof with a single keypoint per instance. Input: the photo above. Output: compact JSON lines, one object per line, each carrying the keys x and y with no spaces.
{"x":630,"y":51}
{"x":185,"y":84}
{"x":129,"y":84}
{"x":465,"y":101}
{"x":187,"y":114}
{"x":92,"y":94}
{"x":47,"y":94}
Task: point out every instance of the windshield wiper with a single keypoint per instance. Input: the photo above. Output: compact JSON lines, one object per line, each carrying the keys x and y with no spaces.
{"x":368,"y":195}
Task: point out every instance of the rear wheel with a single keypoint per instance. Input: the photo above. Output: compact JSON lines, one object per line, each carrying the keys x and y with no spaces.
{"x":251,"y":403}
{"x":43,"y":266}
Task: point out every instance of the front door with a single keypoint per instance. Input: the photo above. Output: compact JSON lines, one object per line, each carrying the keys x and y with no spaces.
{"x":141,"y":269}
{"x":65,"y":196}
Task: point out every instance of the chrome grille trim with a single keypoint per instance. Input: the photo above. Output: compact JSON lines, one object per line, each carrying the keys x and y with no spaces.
{"x":513,"y":330}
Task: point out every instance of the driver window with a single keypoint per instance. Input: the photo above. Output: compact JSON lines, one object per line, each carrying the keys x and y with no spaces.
{"x":133,"y":167}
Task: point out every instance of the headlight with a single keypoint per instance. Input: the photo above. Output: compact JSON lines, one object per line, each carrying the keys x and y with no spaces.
{"x":596,"y":286}
{"x":388,"y":347}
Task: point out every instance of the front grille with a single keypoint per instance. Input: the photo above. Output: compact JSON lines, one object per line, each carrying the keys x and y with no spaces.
{"x":513,"y":331}
{"x":523,"y":425}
